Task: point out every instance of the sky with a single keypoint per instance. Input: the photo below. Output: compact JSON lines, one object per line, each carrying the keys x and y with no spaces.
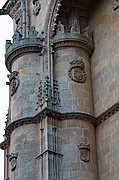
{"x":6,"y":33}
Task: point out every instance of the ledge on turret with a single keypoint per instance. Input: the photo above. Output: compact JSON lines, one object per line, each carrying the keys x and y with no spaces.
{"x":73,"y":40}
{"x":73,"y":37}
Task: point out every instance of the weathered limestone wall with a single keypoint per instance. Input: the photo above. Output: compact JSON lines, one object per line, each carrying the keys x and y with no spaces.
{"x":23,"y":102}
{"x":73,"y":132}
{"x":108,"y":148}
{"x":75,"y":97}
{"x":104,"y":62}
{"x":105,"y":81}
{"x":58,"y":155}
{"x":24,"y":142}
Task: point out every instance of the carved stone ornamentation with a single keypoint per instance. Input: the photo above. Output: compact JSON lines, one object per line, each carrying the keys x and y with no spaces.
{"x":13,"y":82}
{"x":115,"y":4}
{"x":77,"y":71}
{"x":48,"y":94}
{"x":87,"y":32}
{"x":75,"y":28}
{"x":60,"y":28}
{"x":54,"y":16}
{"x":17,"y":18}
{"x":32,"y":32}
{"x":40,"y":95}
{"x":17,"y":36}
{"x":84,"y":152}
{"x":56,"y":98}
{"x":37,"y":7}
{"x":13,"y":160}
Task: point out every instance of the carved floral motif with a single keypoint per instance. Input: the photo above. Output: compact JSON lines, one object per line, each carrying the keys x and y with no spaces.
{"x":77,"y":71}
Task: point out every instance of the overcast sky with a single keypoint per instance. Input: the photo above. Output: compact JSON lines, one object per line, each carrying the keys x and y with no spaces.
{"x":5,"y":33}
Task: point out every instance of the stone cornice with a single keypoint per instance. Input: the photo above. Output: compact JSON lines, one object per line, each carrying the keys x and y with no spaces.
{"x":108,"y":113}
{"x":23,"y":46}
{"x":48,"y":113}
{"x":60,"y":116}
{"x":73,"y":40}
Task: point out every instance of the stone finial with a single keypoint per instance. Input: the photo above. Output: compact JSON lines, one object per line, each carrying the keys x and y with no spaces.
{"x":32,"y":32}
{"x":17,"y":36}
{"x":87,"y":32}
{"x":60,"y":28}
{"x":8,"y":44}
{"x":75,"y":27}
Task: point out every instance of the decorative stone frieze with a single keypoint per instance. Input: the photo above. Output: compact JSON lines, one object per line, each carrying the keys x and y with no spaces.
{"x":21,"y":46}
{"x":77,"y":71}
{"x":13,"y":82}
{"x":37,"y":7}
{"x":84,"y":152}
{"x":48,"y":113}
{"x":115,"y":4}
{"x":57,"y":115}
{"x":13,"y":160}
{"x":108,"y":113}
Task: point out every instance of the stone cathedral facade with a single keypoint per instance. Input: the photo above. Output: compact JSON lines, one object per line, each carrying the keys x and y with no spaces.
{"x":63,"y":116}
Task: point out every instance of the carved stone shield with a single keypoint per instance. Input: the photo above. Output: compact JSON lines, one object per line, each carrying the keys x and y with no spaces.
{"x":13,"y":82}
{"x":84,"y":152}
{"x":13,"y":163}
{"x":77,"y":71}
{"x":13,"y":160}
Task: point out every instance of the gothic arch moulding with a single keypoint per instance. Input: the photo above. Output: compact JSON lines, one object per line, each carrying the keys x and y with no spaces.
{"x":57,"y":6}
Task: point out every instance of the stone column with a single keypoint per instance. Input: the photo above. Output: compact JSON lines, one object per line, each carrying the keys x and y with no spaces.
{"x":72,"y":71}
{"x":23,"y":61}
{"x":72,"y":52}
